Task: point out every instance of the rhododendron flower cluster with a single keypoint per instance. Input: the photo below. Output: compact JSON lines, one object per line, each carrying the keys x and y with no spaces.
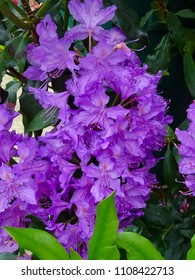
{"x":110,"y":120}
{"x":187,"y":150}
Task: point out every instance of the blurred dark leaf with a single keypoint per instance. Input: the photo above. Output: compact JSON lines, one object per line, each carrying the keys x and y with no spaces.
{"x":176,"y":30}
{"x":160,"y":215}
{"x":190,"y":40}
{"x":161,"y":58}
{"x":160,"y":9}
{"x":128,"y":20}
{"x":189,"y":72}
{"x":4,"y":35}
{"x":174,"y":245}
{"x":186,"y":13}
{"x":170,"y":171}
{"x":146,"y":17}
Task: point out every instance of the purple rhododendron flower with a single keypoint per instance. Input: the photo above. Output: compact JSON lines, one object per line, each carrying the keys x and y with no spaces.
{"x":90,"y":15}
{"x":187,"y":150}
{"x":110,"y":120}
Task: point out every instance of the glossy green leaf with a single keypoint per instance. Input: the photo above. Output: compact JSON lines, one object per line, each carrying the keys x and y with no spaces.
{"x":137,"y":247}
{"x":106,"y":228}
{"x":29,"y":106}
{"x":189,"y":72}
{"x":39,"y":242}
{"x":161,"y":58}
{"x":186,"y":13}
{"x":111,"y":253}
{"x":128,"y":20}
{"x":176,"y":30}
{"x":41,"y":121}
{"x":191,"y":252}
{"x":74,"y":255}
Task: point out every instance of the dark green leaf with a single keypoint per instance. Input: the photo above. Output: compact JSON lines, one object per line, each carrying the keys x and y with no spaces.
{"x":160,"y":215}
{"x":176,"y":30}
{"x":36,"y":222}
{"x":186,"y":13}
{"x":106,"y":228}
{"x":137,"y":247}
{"x":146,"y":17}
{"x":177,"y":157}
{"x":190,"y":40}
{"x":184,"y":125}
{"x":189,"y":72}
{"x":13,"y":87}
{"x":4,"y":35}
{"x":128,"y":20}
{"x":14,"y":53}
{"x":161,"y":58}
{"x":29,"y":106}
{"x":41,"y":121}
{"x":170,"y":171}
{"x":39,"y":242}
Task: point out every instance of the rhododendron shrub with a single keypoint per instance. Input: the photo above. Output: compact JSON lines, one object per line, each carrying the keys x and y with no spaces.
{"x":107,"y":123}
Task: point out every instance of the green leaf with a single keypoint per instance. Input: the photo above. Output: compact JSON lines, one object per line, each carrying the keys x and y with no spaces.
{"x":106,"y":228}
{"x":13,"y":87}
{"x":111,"y":253}
{"x":170,"y":171}
{"x":176,"y":30}
{"x":29,"y":106}
{"x":186,"y":13}
{"x":146,"y":17}
{"x":190,"y":40}
{"x":128,"y":20}
{"x":160,"y":215}
{"x":189,"y":72}
{"x":40,"y":121}
{"x":74,"y":255}
{"x":14,"y":53}
{"x":36,"y":222}
{"x":171,"y":133}
{"x":161,"y":58}
{"x":191,"y":252}
{"x":137,"y":247}
{"x":39,"y":242}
